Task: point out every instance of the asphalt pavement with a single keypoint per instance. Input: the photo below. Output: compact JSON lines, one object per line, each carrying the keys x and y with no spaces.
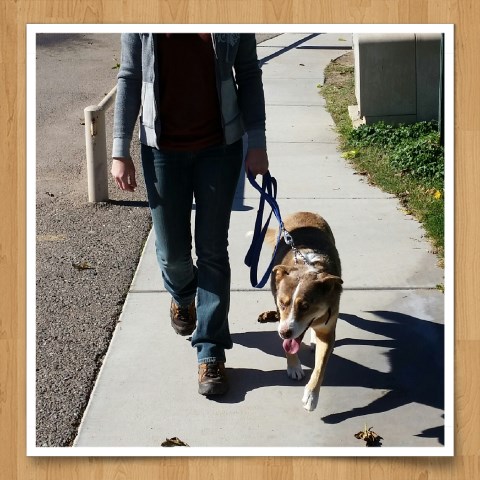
{"x":387,"y":368}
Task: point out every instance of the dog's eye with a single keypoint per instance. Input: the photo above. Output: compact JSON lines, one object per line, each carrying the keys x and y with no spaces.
{"x":283,"y":304}
{"x":304,"y":306}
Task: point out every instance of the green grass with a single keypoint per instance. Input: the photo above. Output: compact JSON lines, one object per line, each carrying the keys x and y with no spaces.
{"x":406,"y":161}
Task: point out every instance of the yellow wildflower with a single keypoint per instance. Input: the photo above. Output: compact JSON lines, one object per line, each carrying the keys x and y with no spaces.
{"x":350,"y":154}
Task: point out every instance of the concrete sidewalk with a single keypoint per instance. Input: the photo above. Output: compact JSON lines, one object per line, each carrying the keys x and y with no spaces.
{"x":387,"y":367}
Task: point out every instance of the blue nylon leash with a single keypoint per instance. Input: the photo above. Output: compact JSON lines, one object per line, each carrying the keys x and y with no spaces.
{"x":268,"y":193}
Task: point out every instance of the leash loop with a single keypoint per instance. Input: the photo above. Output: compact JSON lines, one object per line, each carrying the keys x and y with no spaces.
{"x":268,"y":193}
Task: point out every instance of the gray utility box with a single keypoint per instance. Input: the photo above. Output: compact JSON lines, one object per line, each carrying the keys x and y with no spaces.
{"x":397,"y":76}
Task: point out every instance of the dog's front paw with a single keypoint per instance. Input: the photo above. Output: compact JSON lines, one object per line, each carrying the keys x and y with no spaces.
{"x":295,"y":372}
{"x":310,"y":399}
{"x":265,"y":317}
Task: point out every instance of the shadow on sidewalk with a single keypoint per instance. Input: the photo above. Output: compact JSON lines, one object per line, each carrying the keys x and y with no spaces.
{"x":129,"y":203}
{"x":416,"y":363}
{"x":248,"y":379}
{"x":296,"y":44}
{"x":416,"y":359}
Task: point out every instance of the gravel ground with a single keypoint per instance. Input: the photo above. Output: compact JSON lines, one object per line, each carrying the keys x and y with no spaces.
{"x":86,"y":254}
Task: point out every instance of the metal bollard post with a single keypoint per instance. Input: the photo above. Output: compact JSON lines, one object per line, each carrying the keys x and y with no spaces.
{"x":96,"y":149}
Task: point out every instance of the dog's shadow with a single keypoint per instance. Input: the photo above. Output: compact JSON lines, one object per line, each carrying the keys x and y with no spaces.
{"x":415,"y":357}
{"x":249,"y":379}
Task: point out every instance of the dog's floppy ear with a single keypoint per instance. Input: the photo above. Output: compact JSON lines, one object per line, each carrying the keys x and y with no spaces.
{"x":327,"y":278}
{"x":281,"y":270}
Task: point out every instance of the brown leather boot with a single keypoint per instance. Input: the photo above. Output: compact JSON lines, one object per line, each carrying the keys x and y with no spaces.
{"x":212,"y":379}
{"x":183,"y":319}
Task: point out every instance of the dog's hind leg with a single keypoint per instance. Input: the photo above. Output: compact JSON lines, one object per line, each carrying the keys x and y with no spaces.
{"x":324,"y":347}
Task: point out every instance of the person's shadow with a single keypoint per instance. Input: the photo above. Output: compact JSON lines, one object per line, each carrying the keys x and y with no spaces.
{"x":416,"y":359}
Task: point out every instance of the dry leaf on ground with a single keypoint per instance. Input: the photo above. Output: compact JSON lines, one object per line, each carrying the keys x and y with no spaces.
{"x":371,"y":438}
{"x":174,"y":442}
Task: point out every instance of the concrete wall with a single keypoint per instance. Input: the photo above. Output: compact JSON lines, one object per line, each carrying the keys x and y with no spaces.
{"x":397,"y":76}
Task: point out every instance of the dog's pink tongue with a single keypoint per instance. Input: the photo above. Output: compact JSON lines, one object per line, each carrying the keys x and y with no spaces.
{"x":292,"y":345}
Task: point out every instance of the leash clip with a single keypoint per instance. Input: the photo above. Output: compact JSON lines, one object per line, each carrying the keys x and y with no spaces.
{"x":287,"y":236}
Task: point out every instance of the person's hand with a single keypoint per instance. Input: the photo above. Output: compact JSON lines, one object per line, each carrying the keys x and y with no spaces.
{"x":256,"y":161}
{"x":123,"y":171}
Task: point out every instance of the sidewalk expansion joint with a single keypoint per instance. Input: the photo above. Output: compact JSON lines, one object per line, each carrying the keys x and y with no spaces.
{"x":325,"y":198}
{"x":345,"y":289}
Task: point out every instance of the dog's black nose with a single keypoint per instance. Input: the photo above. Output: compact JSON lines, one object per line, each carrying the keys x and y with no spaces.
{"x":285,"y":333}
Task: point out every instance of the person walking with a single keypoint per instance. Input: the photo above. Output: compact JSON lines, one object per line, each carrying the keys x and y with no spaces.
{"x":197,"y":95}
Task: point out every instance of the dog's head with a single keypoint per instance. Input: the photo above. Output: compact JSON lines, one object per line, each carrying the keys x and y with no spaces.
{"x":303,"y":295}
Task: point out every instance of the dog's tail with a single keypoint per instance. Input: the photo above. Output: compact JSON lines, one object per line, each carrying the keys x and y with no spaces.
{"x":271,"y":236}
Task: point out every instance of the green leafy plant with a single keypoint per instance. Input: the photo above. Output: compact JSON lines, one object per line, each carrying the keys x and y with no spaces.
{"x":422,"y":158}
{"x":413,"y":149}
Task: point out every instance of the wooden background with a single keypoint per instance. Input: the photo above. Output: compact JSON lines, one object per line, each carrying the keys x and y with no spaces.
{"x":15,"y":14}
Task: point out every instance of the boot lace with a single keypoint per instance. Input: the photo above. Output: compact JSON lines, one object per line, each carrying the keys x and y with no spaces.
{"x":182,"y":314}
{"x":213,"y":370}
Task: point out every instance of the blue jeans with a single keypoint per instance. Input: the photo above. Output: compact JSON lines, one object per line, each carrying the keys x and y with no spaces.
{"x":172,"y":179}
